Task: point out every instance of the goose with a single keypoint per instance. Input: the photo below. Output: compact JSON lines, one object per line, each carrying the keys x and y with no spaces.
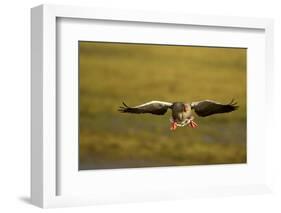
{"x":181,"y":112}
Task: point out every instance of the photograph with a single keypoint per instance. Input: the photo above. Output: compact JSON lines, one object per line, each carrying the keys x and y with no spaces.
{"x":158,"y":105}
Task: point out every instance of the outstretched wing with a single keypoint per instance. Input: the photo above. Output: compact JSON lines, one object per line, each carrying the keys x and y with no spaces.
{"x":208,"y":107}
{"x":153,"y":107}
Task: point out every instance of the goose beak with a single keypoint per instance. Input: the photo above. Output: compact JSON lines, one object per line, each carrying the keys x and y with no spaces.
{"x":185,"y":108}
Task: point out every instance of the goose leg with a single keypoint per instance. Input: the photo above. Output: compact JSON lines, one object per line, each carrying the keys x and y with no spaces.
{"x":173,"y":126}
{"x":192,"y":124}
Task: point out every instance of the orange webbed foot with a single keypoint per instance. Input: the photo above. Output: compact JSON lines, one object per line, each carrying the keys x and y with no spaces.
{"x":173,"y":126}
{"x":192,"y":124}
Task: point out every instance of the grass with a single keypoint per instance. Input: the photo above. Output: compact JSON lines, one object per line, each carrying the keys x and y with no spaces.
{"x":112,"y":73}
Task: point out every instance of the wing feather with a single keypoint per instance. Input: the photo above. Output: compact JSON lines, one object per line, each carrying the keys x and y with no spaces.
{"x":208,"y":107}
{"x":153,"y":107}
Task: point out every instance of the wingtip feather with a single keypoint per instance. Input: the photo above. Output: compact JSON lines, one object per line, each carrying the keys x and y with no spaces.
{"x":233,"y":104}
{"x":125,"y":104}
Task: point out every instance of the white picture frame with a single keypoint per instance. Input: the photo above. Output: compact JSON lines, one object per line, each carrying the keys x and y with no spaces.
{"x":45,"y":157}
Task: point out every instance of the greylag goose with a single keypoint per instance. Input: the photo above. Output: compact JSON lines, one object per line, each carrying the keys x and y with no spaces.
{"x":181,"y":112}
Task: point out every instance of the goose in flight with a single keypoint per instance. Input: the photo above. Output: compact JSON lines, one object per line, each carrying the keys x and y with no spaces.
{"x":181,"y":112}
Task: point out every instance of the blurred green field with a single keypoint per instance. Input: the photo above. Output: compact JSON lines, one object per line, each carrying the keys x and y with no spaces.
{"x":111,"y":73}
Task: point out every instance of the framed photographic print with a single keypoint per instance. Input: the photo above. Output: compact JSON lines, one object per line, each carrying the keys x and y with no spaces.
{"x":130,"y":106}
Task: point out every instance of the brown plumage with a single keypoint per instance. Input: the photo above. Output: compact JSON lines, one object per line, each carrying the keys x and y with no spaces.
{"x":206,"y":108}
